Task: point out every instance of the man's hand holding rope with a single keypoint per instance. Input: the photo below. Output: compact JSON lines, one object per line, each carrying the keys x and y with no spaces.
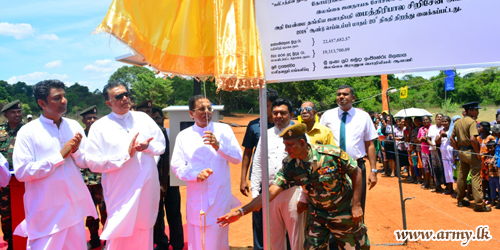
{"x":210,"y":139}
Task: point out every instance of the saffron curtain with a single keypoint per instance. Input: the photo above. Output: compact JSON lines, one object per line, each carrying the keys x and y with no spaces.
{"x":198,"y":38}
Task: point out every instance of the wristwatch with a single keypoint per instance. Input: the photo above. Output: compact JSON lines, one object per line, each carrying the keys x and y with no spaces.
{"x":241,"y":211}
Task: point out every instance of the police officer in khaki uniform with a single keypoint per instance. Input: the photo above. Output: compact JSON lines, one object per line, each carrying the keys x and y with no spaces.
{"x":465,"y":132}
{"x":8,"y":132}
{"x":93,"y":182}
{"x":334,"y":200}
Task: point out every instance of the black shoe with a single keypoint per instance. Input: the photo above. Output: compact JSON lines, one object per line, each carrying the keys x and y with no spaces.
{"x":482,"y":208}
{"x":497,"y":206}
{"x":94,"y":243}
{"x":463,"y":203}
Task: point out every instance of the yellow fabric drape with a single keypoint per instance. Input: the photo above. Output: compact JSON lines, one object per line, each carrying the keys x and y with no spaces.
{"x":199,"y":38}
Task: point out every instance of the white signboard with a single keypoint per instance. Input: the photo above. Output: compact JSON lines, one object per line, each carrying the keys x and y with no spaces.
{"x":317,"y":39}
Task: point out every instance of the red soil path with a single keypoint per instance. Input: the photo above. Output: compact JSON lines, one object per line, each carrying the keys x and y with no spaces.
{"x":427,"y":211}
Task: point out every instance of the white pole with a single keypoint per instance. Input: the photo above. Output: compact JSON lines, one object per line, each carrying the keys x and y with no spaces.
{"x":264,"y":165}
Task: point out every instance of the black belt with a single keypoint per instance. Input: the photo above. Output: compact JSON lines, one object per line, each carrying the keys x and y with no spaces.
{"x":466,"y":148}
{"x":361,"y":160}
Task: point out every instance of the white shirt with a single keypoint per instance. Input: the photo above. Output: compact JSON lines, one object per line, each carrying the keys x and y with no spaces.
{"x":4,"y":172}
{"x":359,"y":128}
{"x":432,"y":134}
{"x":276,"y":153}
{"x":190,"y":156}
{"x":130,"y":185}
{"x":56,"y":197}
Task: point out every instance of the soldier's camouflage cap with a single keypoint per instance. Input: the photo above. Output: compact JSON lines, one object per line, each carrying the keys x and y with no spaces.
{"x":144,"y":105}
{"x":90,"y":110}
{"x":13,"y":105}
{"x":294,"y":131}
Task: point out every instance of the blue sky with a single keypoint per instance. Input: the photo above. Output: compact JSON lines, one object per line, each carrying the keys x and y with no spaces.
{"x":52,"y":40}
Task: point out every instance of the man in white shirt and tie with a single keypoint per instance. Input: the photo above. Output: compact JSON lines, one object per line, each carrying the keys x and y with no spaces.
{"x":354,"y":133}
{"x":283,"y":209}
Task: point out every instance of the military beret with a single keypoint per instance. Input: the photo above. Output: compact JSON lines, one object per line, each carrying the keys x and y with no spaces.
{"x":471,"y":105}
{"x":13,"y":105}
{"x":90,"y":110}
{"x":294,"y":131}
{"x":144,"y":105}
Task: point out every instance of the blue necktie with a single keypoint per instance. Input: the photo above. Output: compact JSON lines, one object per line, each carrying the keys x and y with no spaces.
{"x":342,"y":131}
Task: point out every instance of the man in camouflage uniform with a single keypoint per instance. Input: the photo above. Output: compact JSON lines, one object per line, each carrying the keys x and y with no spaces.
{"x":93,"y":182}
{"x":8,"y":133}
{"x":334,"y":201}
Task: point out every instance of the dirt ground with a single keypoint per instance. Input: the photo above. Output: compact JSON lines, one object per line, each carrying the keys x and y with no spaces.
{"x":426,"y":211}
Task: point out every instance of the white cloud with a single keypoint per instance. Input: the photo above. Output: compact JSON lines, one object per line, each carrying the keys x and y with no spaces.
{"x":103,"y":62}
{"x":53,"y":64}
{"x":50,"y":37}
{"x":35,"y":77}
{"x":22,"y":31}
{"x":96,"y":69}
{"x":102,"y":67}
{"x":18,"y":30}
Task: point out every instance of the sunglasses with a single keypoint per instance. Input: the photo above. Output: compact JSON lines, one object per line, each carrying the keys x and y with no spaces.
{"x":119,"y":97}
{"x":307,"y":109}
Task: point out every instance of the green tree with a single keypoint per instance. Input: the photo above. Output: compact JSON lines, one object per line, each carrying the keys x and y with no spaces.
{"x":26,"y":109}
{"x":150,"y":87}
{"x":182,"y":90}
{"x":127,"y":75}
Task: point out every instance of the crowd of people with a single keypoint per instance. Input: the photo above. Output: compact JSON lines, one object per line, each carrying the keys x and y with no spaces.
{"x":429,"y":154}
{"x":317,"y":171}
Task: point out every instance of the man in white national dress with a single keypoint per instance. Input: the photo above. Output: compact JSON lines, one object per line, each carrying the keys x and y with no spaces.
{"x":201,"y":157}
{"x":46,"y":157}
{"x":129,"y":174}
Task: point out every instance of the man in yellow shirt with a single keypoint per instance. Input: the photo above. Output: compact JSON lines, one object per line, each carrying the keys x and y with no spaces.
{"x":318,"y":134}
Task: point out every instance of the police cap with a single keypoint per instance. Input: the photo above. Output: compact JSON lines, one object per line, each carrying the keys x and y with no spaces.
{"x":294,"y":131}
{"x":90,"y":110}
{"x":471,"y":105}
{"x":13,"y":105}
{"x":144,"y":105}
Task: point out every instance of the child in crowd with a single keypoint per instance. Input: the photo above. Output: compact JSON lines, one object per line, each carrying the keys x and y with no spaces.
{"x":483,"y":138}
{"x":495,"y":130}
{"x":489,"y":161}
{"x":414,"y":162}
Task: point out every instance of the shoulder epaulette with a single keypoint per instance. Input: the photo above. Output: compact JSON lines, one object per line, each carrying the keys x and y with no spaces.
{"x":328,"y":150}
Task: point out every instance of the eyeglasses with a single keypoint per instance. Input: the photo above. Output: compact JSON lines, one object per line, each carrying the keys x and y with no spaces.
{"x":120,"y":96}
{"x":202,"y":110}
{"x":307,"y":109}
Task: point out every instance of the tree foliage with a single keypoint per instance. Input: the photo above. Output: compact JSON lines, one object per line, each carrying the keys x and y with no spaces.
{"x":128,"y":75}
{"x":483,"y":86}
{"x":150,"y":87}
